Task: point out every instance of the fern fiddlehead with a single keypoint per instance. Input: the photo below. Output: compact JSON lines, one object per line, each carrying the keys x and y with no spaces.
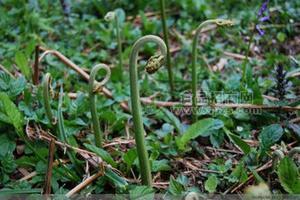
{"x":93,"y":87}
{"x":152,"y":66}
{"x":218,"y":22}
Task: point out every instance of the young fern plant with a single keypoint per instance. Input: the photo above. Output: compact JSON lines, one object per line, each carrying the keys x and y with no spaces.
{"x":166,"y":39}
{"x":154,"y":63}
{"x":218,"y":22}
{"x":113,"y":16}
{"x":58,"y":121}
{"x":93,"y":88}
{"x":47,"y":98}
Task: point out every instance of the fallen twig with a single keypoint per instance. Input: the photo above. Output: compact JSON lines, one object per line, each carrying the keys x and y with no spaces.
{"x":84,"y":184}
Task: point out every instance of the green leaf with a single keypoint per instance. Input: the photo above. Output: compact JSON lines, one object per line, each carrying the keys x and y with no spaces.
{"x":114,"y":178}
{"x":160,"y":165}
{"x":102,"y":154}
{"x":4,"y":192}
{"x":10,"y":113}
{"x":199,"y":128}
{"x":281,"y":36}
{"x":141,"y":193}
{"x":173,"y":119}
{"x":211,"y":184}
{"x":239,"y":174}
{"x":129,"y":157}
{"x":238,"y":141}
{"x":288,"y":174}
{"x":6,"y":146}
{"x":12,"y":87}
{"x":269,"y":135}
{"x":175,"y":188}
{"x":22,"y":63}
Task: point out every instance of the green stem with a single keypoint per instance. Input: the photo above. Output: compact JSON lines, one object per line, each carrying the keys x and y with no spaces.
{"x":96,"y":126}
{"x":46,"y":97}
{"x":166,"y":39}
{"x":136,"y":104}
{"x":246,"y":60}
{"x":219,"y":22}
{"x":119,"y":46}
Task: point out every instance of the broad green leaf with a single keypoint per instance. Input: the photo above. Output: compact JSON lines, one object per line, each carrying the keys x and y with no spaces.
{"x":102,"y":154}
{"x":173,"y":120}
{"x":129,"y":157}
{"x":22,"y":63}
{"x":197,"y":129}
{"x":12,"y":87}
{"x":289,"y":177}
{"x":238,"y":141}
{"x":6,"y":146}
{"x":211,"y":184}
{"x":160,"y":165}
{"x":11,"y":113}
{"x":175,"y":188}
{"x":141,"y":193}
{"x":269,"y":135}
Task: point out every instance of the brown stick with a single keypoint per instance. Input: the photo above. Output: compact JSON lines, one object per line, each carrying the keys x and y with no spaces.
{"x":83,"y":184}
{"x":36,"y":71}
{"x":47,"y":186}
{"x":235,"y":55}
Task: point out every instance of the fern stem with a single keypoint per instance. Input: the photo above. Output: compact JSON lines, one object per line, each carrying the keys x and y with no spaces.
{"x":113,"y":16}
{"x":96,"y":126}
{"x":119,"y":39}
{"x":136,"y":104}
{"x":219,"y":22}
{"x":166,"y":39}
{"x":46,"y":97}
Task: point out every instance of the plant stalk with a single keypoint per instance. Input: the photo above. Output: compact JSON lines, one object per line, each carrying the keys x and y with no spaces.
{"x":166,"y":39}
{"x":119,"y":46}
{"x":46,"y":98}
{"x":92,"y":96}
{"x":136,"y":104}
{"x":219,"y":22}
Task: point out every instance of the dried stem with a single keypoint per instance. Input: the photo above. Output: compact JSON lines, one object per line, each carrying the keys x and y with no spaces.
{"x":84,"y":184}
{"x":36,"y":71}
{"x":47,"y":186}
